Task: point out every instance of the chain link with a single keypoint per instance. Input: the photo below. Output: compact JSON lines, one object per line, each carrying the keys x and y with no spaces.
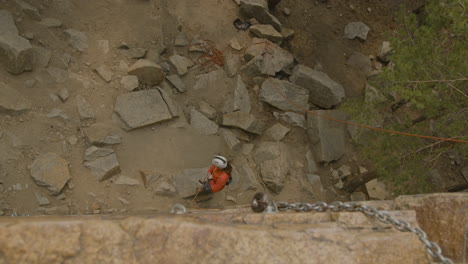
{"x":432,"y":248}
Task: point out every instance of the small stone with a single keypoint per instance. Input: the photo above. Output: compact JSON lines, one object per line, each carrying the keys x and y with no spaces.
{"x":124,"y":180}
{"x":377,"y":190}
{"x":181,"y":40}
{"x":339,"y":185}
{"x":137,"y":53}
{"x":176,"y":82}
{"x":277,"y":132}
{"x":344,"y":171}
{"x":286,"y":11}
{"x":356,"y":29}
{"x":335,"y":174}
{"x":147,"y":72}
{"x":63,"y":94}
{"x":123,"y":201}
{"x":231,"y":140}
{"x":181,"y":64}
{"x":231,"y":199}
{"x":104,"y":72}
{"x":85,"y":109}
{"x":206,"y":109}
{"x":51,"y":22}
{"x":369,"y":9}
{"x":165,"y":189}
{"x":51,"y":171}
{"x":234,"y":43}
{"x":129,"y":82}
{"x":41,"y":199}
{"x":77,"y":39}
{"x":28,"y":35}
{"x":61,"y":197}
{"x":266,"y":32}
{"x":362,"y":170}
{"x":58,"y":113}
{"x":358,"y":196}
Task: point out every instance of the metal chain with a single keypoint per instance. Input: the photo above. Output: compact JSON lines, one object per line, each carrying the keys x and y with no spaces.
{"x":431,"y":247}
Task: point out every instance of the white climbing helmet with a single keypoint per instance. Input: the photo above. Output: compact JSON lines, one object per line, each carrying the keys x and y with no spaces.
{"x":219,"y":162}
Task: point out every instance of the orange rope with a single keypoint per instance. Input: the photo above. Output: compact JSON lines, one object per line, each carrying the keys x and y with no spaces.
{"x":368,"y":127}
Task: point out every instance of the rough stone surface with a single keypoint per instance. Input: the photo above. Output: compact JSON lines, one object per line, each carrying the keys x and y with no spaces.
{"x":28,"y":10}
{"x":181,"y":64}
{"x":142,"y":108}
{"x":266,"y":58}
{"x":377,"y":190}
{"x":124,"y":180}
{"x":311,"y":164}
{"x":147,"y":72}
{"x":42,"y":56}
{"x":361,"y":62}
{"x":209,"y":80}
{"x":58,"y":113}
{"x":248,"y":180}
{"x":129,"y":82}
{"x":176,"y":82}
{"x":267,"y":32}
{"x":241,"y":96}
{"x":294,"y":119}
{"x":315,"y":185}
{"x":187,"y":181}
{"x":287,"y":33}
{"x":102,"y":166}
{"x":11,"y":101}
{"x":105,"y":73}
{"x":16,"y":53}
{"x":326,"y":136}
{"x":93,"y":153}
{"x":51,"y":171}
{"x":356,"y":29}
{"x":258,"y":9}
{"x":324,"y":92}
{"x":272,"y":157}
{"x":102,"y":135}
{"x":277,"y":132}
{"x":231,"y":140}
{"x":202,"y":124}
{"x":273,"y":92}
{"x":41,"y":199}
{"x":444,"y":217}
{"x":136,"y":53}
{"x":85,"y":110}
{"x":165,"y":189}
{"x":358,"y":196}
{"x":385,"y":51}
{"x":77,"y":39}
{"x":51,"y":22}
{"x":181,"y":40}
{"x":244,"y":121}
{"x":206,"y":109}
{"x":231,"y":65}
{"x":63,"y":94}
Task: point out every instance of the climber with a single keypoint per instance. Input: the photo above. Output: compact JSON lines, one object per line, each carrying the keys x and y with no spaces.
{"x":219,"y":175}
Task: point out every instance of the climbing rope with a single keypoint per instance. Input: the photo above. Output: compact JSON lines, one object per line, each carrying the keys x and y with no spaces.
{"x":363,"y":126}
{"x":261,"y":200}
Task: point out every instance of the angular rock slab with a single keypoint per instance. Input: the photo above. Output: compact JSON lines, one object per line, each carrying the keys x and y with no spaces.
{"x":101,"y":135}
{"x":85,"y":110}
{"x":324,"y":92}
{"x":266,"y":58}
{"x":328,"y":137}
{"x":274,"y":165}
{"x":16,"y":53}
{"x":11,"y":101}
{"x":258,"y":9}
{"x":103,"y":163}
{"x":187,"y":181}
{"x":51,"y":171}
{"x":147,"y":72}
{"x":274,"y":91}
{"x":241,"y":97}
{"x":277,"y":132}
{"x":142,"y":108}
{"x":267,"y":32}
{"x":77,"y":39}
{"x":202,"y":124}
{"x":181,"y":64}
{"x":356,"y":29}
{"x":244,"y":121}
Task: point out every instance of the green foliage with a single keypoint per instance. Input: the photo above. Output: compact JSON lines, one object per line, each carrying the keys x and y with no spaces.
{"x":430,"y":59}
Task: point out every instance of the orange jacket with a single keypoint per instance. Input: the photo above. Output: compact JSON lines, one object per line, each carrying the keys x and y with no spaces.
{"x":220,"y":178}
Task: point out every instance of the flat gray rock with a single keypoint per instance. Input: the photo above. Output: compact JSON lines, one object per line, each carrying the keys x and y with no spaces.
{"x":181,"y":40}
{"x":101,"y":135}
{"x":85,"y":110}
{"x":206,"y":109}
{"x":11,"y":101}
{"x":147,"y":72}
{"x":231,"y":65}
{"x":136,"y":53}
{"x":328,"y":137}
{"x":244,"y":121}
{"x":294,"y":119}
{"x":258,"y":9}
{"x":274,"y":91}
{"x":356,"y":30}
{"x":266,"y":58}
{"x":105,"y":163}
{"x":181,"y":64}
{"x":209,"y":80}
{"x":315,"y":186}
{"x":142,"y":108}
{"x":16,"y":52}
{"x":124,"y":180}
{"x":324,"y":92}
{"x":277,"y":132}
{"x":93,"y":153}
{"x":28,"y":9}
{"x":77,"y":39}
{"x":241,"y":96}
{"x":267,"y":32}
{"x":165,"y":189}
{"x":175,"y":80}
{"x":41,"y":199}
{"x":105,"y":73}
{"x":58,"y":113}
{"x":202,"y":124}
{"x":231,"y":140}
{"x":187,"y":181}
{"x":51,"y":171}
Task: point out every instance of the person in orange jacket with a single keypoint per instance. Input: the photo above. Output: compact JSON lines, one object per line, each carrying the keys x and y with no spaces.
{"x":218,"y":176}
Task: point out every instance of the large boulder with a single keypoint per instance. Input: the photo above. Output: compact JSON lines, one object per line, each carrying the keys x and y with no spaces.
{"x":324,"y":92}
{"x":258,"y":9}
{"x":51,"y":171}
{"x":16,"y":53}
{"x":187,"y":181}
{"x":274,"y":165}
{"x":11,"y":101}
{"x":147,"y":72}
{"x":102,"y":162}
{"x":266,"y":58}
{"x":328,"y":137}
{"x":274,"y":92}
{"x":202,"y":124}
{"x":142,"y":108}
{"x":244,"y":121}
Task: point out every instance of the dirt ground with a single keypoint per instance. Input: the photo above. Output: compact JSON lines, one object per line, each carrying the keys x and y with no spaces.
{"x":318,"y":42}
